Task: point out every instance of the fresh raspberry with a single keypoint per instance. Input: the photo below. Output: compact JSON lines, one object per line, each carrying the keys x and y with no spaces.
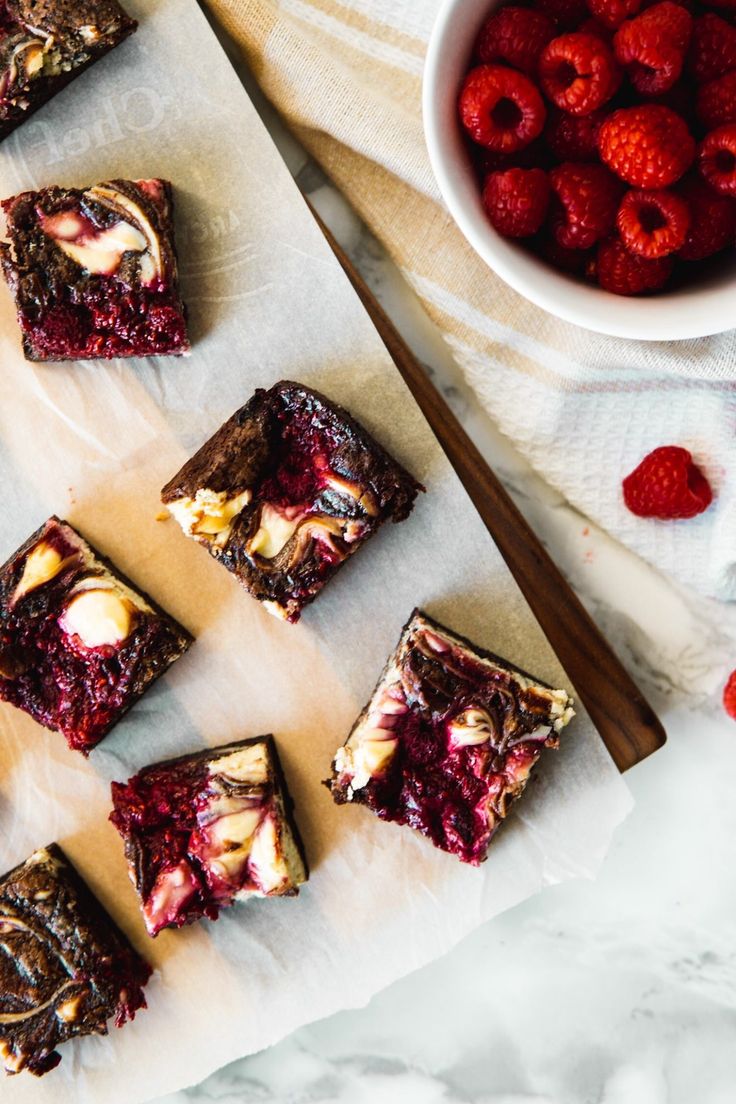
{"x":729,"y":695}
{"x":652,"y":47}
{"x":501,"y":108}
{"x":613,"y":12}
{"x":653,"y":224}
{"x":712,"y":48}
{"x":578,"y":72}
{"x":712,"y":221}
{"x":716,"y":101}
{"x":648,"y":146}
{"x":621,"y":272}
{"x":566,"y":13}
{"x":585,"y":202}
{"x":573,"y":137}
{"x":667,"y":485}
{"x":516,"y":36}
{"x":717,"y":159}
{"x":516,"y":201}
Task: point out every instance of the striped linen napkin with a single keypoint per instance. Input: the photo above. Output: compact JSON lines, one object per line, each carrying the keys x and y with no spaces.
{"x":584,"y":409}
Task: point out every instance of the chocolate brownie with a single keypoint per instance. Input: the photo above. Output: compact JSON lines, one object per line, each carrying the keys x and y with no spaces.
{"x":285,"y":491}
{"x":65,"y":966}
{"x":45,"y":44}
{"x":208,"y":829}
{"x":78,"y":644}
{"x":94,"y":272}
{"x":448,"y":739}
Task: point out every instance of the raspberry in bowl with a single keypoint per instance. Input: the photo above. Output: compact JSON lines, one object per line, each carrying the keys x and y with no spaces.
{"x":587,"y":151}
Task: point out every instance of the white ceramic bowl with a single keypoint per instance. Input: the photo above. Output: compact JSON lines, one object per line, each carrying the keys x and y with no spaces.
{"x":708,"y":306}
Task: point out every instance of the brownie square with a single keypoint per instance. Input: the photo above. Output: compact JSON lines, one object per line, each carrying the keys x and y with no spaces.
{"x":78,"y":644}
{"x":65,"y":966}
{"x":94,"y":272}
{"x":448,"y":739}
{"x":208,"y":829}
{"x":45,"y":44}
{"x":287,"y":490}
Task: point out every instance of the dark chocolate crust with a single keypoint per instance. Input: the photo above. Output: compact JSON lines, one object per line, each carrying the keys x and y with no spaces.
{"x":65,"y":966}
{"x":81,"y":696}
{"x":419,"y":615}
{"x":61,"y":305}
{"x":235,"y":456}
{"x":241,"y":454}
{"x":61,"y":21}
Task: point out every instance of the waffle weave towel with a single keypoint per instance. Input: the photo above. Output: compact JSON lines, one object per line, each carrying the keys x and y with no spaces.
{"x":584,"y":409}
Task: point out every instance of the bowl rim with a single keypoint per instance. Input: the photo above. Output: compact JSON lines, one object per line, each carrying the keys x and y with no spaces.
{"x":687,"y":313}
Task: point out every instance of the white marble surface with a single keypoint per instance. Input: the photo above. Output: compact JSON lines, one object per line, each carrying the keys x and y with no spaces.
{"x":618,"y":991}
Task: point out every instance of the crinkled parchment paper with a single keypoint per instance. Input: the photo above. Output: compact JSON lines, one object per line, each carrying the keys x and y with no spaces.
{"x":95,"y":442}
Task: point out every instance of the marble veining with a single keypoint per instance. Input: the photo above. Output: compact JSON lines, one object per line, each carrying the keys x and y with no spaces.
{"x":618,"y":991}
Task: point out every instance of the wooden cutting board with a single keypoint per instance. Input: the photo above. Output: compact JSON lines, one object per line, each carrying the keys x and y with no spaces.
{"x":626,"y":722}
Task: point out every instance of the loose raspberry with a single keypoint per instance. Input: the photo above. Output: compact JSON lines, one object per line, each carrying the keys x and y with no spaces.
{"x":578,"y":72}
{"x":586,"y":199}
{"x":501,"y":108}
{"x":648,"y":146}
{"x":516,"y":36}
{"x":613,"y":12}
{"x":652,"y":47}
{"x":717,"y":159}
{"x":716,"y":101}
{"x":667,"y":485}
{"x":516,"y":201}
{"x":653,"y":224}
{"x":712,"y":47}
{"x":623,"y":273}
{"x":573,"y":137}
{"x":566,"y":13}
{"x":729,"y":695}
{"x":712,"y":221}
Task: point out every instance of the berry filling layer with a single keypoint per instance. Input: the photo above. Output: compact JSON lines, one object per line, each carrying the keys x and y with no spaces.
{"x":448,"y":740}
{"x":204,"y":831}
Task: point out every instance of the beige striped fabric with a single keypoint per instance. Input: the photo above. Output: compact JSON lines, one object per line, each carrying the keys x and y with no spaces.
{"x":346,"y":76}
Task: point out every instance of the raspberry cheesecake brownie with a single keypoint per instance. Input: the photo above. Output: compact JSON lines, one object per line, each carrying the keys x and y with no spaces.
{"x":78,"y":644}
{"x":447,"y":742}
{"x":65,"y":966}
{"x":209,"y":829}
{"x":94,"y":271}
{"x":287,"y":490}
{"x":45,"y":44}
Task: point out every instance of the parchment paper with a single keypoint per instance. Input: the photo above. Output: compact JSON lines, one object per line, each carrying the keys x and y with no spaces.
{"x":95,"y":442}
